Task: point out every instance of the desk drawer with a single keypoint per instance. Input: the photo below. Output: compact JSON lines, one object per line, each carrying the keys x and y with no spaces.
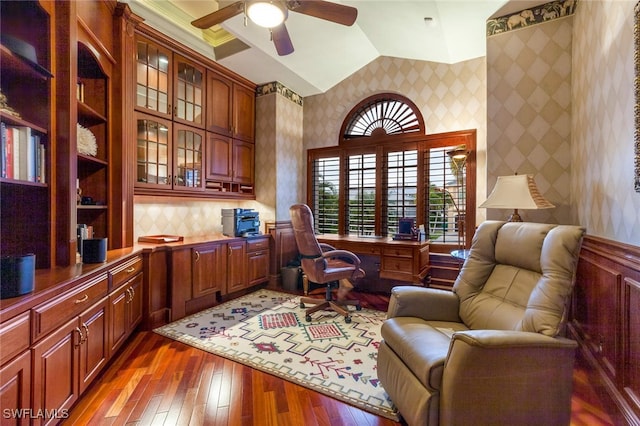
{"x":14,"y":337}
{"x":50,"y":315}
{"x":398,"y":252}
{"x":125,"y":272}
{"x":397,"y":264}
{"x":257,"y":244}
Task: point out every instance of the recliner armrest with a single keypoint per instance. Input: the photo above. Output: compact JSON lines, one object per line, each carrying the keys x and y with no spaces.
{"x":528,"y":375}
{"x":429,"y":304}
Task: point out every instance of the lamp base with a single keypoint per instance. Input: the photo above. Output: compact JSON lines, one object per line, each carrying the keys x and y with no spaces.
{"x":515,"y":217}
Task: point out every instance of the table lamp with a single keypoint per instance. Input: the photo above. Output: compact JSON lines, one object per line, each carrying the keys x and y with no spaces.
{"x":516,"y":192}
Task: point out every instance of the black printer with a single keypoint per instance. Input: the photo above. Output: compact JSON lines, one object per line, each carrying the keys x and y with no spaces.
{"x":240,"y":222}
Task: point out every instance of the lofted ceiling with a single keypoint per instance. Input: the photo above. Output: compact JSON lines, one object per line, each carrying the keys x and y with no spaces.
{"x":326,"y":53}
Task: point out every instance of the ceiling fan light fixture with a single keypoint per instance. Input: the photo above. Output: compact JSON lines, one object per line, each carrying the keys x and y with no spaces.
{"x":267,"y":14}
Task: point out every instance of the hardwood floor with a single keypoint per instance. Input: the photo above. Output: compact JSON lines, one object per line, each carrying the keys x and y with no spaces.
{"x":156,"y":380}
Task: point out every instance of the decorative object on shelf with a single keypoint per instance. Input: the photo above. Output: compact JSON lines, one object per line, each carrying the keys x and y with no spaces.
{"x":18,"y":275}
{"x":4,"y":106}
{"x":516,"y":192}
{"x":94,"y":250}
{"x":86,"y":142}
{"x":159,"y":239}
{"x":24,"y":50}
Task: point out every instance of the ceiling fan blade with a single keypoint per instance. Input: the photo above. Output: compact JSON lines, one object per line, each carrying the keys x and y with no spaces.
{"x":334,"y":12}
{"x":219,"y":16}
{"x":281,"y":39}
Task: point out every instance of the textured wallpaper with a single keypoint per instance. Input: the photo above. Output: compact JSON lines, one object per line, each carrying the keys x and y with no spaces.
{"x":602,"y":121}
{"x":450,"y":97}
{"x":529,"y":113}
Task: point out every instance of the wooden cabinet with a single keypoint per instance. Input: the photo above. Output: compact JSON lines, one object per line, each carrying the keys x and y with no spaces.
{"x":56,"y":341}
{"x":125,"y":302}
{"x":198,"y":277}
{"x":27,"y":130}
{"x":257,"y":260}
{"x":216,"y":109}
{"x":236,"y":266}
{"x":230,"y":164}
{"x":209,"y":269}
{"x":15,"y":386}
{"x":15,"y":359}
{"x":66,"y":361}
{"x":230,"y":108}
{"x":200,"y":274}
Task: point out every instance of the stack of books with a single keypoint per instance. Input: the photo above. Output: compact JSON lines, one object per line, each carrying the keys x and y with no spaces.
{"x":22,"y":154}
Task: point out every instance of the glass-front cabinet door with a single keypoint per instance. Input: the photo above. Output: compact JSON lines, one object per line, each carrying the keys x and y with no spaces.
{"x":153,"y":78}
{"x":188,"y":146}
{"x":153,"y":151}
{"x":189,"y":92}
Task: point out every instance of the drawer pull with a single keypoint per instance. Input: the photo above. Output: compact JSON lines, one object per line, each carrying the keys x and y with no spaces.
{"x":82,"y":299}
{"x":80,"y":339}
{"x":197,"y":253}
{"x":130,"y":270}
{"x":86,"y":332}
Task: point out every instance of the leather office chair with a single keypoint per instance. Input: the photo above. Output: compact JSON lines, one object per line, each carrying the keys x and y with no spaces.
{"x":322,"y":264}
{"x":491,"y":351}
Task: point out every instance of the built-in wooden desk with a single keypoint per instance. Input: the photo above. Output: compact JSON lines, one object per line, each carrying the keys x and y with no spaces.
{"x":387,"y":262}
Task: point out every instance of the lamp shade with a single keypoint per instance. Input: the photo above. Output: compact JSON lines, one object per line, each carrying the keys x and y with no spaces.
{"x":516,"y":192}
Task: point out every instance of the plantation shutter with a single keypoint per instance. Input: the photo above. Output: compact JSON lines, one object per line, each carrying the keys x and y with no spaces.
{"x":361,"y":193}
{"x":402,"y":187}
{"x":326,"y":188}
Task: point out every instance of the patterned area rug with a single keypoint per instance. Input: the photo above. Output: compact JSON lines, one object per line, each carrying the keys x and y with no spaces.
{"x":266,"y":330}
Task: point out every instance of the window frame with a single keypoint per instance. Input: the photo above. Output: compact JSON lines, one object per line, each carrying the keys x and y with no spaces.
{"x":381,"y":144}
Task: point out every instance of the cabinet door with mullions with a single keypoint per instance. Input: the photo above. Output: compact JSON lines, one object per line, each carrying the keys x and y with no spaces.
{"x":153,"y":151}
{"x":188,"y":146}
{"x":188,"y":97}
{"x":153,"y":78}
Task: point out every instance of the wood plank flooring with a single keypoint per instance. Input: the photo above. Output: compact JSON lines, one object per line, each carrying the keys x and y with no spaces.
{"x":158,"y":381}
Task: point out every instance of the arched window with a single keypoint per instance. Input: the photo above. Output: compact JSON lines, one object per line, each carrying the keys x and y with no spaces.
{"x":386,"y":168}
{"x":381,"y":115}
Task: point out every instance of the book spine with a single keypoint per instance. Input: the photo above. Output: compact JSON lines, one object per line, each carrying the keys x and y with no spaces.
{"x":3,"y":150}
{"x":31,"y":157}
{"x":17,"y":161}
{"x":9,"y":152}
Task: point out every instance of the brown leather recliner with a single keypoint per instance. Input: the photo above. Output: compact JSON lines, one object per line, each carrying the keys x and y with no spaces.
{"x":323,"y":264}
{"x":491,"y":351}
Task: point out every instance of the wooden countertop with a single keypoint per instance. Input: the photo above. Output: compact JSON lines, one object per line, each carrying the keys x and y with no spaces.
{"x":52,"y":282}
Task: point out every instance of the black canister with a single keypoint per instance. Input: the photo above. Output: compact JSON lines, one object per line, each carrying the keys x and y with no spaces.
{"x":18,"y":275}
{"x":94,"y":250}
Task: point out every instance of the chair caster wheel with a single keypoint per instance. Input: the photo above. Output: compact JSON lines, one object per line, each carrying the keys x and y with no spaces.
{"x":301,"y":305}
{"x":347,"y":320}
{"x":308,"y":318}
{"x":358,"y":308}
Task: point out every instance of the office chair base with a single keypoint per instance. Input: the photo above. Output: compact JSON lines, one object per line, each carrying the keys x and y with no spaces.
{"x":334,"y":305}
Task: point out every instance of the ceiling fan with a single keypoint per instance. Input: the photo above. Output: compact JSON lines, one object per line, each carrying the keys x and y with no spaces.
{"x":272,"y":14}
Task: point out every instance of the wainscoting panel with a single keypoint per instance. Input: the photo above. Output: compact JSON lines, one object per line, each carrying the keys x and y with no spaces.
{"x":605,"y":318}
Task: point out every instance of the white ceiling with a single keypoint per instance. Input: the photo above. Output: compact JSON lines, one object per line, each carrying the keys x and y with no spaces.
{"x":325,"y":52}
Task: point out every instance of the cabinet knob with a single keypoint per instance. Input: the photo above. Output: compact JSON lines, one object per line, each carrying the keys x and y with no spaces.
{"x":197,"y":254}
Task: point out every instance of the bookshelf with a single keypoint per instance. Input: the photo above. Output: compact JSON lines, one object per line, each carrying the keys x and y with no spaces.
{"x":92,"y":159}
{"x":26,"y":83}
